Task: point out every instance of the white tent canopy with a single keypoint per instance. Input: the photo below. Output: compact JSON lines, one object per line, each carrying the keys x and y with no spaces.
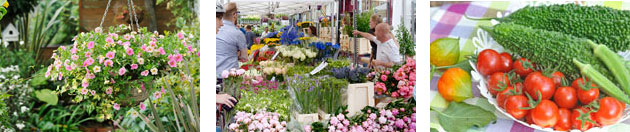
{"x":261,"y":7}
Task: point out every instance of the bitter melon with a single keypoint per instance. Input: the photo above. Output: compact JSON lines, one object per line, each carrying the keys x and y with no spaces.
{"x":547,"y":49}
{"x":603,"y":25}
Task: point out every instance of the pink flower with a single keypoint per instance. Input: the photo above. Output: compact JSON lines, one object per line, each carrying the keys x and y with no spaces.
{"x":180,"y":35}
{"x":152,"y":44}
{"x":100,"y":59}
{"x":109,"y":90}
{"x":90,"y":45}
{"x":75,"y":57}
{"x":307,"y":128}
{"x":240,"y":71}
{"x":73,"y":50}
{"x":119,"y":42}
{"x":85,"y":84}
{"x":144,"y":73}
{"x":340,"y":117}
{"x":127,"y":36}
{"x":225,"y":74}
{"x":380,"y":88}
{"x":162,"y":89}
{"x":122,"y":71}
{"x":109,"y":40}
{"x":399,"y":75}
{"x":172,"y":63}
{"x":84,"y":91}
{"x":129,"y":51}
{"x":88,"y":54}
{"x":134,"y":66}
{"x":109,"y":63}
{"x":161,"y":50}
{"x":157,"y":94}
{"x":89,"y":76}
{"x":60,"y":76}
{"x":412,"y":76}
{"x":47,"y":74}
{"x":387,"y":72}
{"x":142,"y":106}
{"x":116,"y":106}
{"x":144,"y":47}
{"x":399,"y":123}
{"x":190,"y":49}
{"x":88,"y":62}
{"x":384,"y":78}
{"x":394,"y":94}
{"x":110,"y":55}
{"x":126,"y":43}
{"x":179,"y":57}
{"x":98,"y":29}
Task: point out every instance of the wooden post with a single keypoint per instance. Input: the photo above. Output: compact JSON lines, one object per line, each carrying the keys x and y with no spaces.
{"x":149,"y":4}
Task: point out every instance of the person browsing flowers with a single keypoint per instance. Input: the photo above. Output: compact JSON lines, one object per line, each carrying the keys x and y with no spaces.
{"x":230,"y":40}
{"x":387,"y":53}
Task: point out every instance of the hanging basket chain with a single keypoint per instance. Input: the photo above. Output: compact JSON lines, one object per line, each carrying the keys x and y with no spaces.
{"x":130,"y":14}
{"x":135,"y":16}
{"x":105,"y":14}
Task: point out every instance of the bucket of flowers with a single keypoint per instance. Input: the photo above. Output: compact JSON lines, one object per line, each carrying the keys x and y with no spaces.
{"x":110,"y":70}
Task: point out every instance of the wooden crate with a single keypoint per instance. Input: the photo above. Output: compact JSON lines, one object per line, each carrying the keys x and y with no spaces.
{"x":358,"y":96}
{"x":363,"y":43}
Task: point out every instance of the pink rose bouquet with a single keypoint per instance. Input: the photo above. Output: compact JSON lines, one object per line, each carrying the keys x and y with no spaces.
{"x":261,"y":121}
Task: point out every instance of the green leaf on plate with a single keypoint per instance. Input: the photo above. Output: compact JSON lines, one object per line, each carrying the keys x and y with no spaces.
{"x":459,"y":117}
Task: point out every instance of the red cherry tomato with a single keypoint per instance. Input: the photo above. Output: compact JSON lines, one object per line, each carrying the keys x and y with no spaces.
{"x":503,"y":95}
{"x":488,"y":62}
{"x":506,"y":62}
{"x":523,"y":67}
{"x":581,"y":122}
{"x":528,"y":118}
{"x":585,"y":93}
{"x":564,"y":120}
{"x":536,"y":82}
{"x":610,"y":111}
{"x":557,"y":78}
{"x":565,"y":97}
{"x":497,"y":82}
{"x":514,"y":106}
{"x":545,"y":114}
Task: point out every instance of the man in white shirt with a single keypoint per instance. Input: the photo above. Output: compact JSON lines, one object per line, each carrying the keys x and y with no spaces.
{"x":387,"y":52}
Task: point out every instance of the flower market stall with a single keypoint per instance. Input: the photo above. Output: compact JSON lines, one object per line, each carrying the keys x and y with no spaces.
{"x":59,"y":75}
{"x":306,"y":77}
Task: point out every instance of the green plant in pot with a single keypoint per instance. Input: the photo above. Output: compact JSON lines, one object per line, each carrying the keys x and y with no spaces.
{"x":363,"y":23}
{"x":110,"y":70}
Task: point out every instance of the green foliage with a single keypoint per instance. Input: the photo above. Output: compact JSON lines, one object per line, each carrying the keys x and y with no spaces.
{"x":300,"y":70}
{"x":338,"y":63}
{"x":603,"y":25}
{"x":363,"y":23}
{"x":405,"y":39}
{"x":459,"y":113}
{"x":4,"y":113}
{"x":318,"y":127}
{"x":21,"y":58}
{"x":265,"y":100}
{"x":47,"y":96}
{"x":18,"y":8}
{"x":184,"y":12}
{"x":57,"y":118}
{"x":546,"y":49}
{"x":330,"y":92}
{"x":38,"y":29}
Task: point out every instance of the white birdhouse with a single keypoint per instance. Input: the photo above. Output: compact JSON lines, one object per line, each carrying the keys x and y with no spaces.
{"x":10,"y":33}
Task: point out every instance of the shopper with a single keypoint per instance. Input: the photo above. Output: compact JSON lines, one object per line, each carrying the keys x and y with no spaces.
{"x":387,"y":53}
{"x":264,"y":34}
{"x":250,"y":36}
{"x":312,"y":31}
{"x":223,"y":98}
{"x":229,"y":42}
{"x":374,"y":20}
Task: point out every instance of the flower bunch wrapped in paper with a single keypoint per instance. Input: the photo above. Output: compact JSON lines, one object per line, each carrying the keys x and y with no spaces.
{"x":261,"y":121}
{"x":275,"y":69}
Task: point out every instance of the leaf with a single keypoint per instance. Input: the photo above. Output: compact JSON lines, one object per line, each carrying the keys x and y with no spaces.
{"x":465,"y":116}
{"x":47,"y":96}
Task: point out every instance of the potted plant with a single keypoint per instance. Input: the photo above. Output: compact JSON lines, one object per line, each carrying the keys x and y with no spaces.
{"x":107,"y":71}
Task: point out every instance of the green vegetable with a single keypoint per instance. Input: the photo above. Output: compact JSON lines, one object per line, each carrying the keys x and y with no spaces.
{"x":458,"y":118}
{"x":604,"y":84}
{"x":547,"y":49}
{"x":615,"y":64}
{"x":601,"y":24}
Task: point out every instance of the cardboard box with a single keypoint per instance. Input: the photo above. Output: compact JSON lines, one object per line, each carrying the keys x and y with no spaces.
{"x":358,"y":96}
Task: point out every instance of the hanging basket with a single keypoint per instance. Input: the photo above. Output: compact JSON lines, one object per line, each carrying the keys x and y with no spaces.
{"x":135,"y":95}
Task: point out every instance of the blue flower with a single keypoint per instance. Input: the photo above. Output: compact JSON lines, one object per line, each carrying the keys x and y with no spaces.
{"x":336,"y":46}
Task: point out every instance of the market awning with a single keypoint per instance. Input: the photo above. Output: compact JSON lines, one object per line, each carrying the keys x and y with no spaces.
{"x":261,"y":7}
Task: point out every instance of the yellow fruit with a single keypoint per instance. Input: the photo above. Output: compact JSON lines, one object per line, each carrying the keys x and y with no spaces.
{"x":444,"y":51}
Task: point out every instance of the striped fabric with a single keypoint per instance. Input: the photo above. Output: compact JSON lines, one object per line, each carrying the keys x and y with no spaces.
{"x":449,"y":21}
